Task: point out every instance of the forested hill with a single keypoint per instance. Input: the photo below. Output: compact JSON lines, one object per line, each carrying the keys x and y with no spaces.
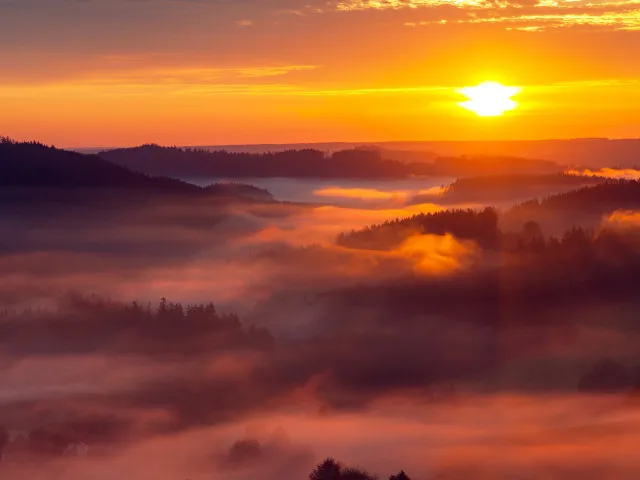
{"x":308,"y":163}
{"x":605,"y":197}
{"x":357,"y":163}
{"x":469,"y":224}
{"x":36,"y":165}
{"x":33,"y":164}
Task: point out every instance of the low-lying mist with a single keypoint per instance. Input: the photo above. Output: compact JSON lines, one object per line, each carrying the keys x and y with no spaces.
{"x":181,"y":339}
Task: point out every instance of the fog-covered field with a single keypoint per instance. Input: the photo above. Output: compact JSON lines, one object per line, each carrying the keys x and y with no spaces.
{"x":439,"y":352}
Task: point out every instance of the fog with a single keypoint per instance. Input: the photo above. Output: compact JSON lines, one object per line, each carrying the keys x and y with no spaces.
{"x":435,"y":353}
{"x":332,"y":192}
{"x":482,"y":437}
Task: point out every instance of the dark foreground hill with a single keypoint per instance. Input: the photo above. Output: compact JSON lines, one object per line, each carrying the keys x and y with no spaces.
{"x":36,"y":167}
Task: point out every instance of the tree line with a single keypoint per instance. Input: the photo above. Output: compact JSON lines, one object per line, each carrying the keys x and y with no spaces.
{"x":84,"y":323}
{"x":467,"y":224}
{"x":604,"y":197}
{"x":330,"y":469}
{"x":357,"y":163}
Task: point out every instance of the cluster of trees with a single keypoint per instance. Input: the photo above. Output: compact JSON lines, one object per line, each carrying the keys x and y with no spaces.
{"x":91,"y":323}
{"x":531,"y":273}
{"x":330,"y":469}
{"x":604,"y":197}
{"x":71,"y":437}
{"x":482,"y":227}
{"x":468,"y":224}
{"x":576,"y":241}
{"x":597,"y":263}
{"x":499,"y":187}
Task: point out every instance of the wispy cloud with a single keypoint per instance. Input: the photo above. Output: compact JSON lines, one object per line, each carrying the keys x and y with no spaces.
{"x":524,"y":15}
{"x":353,"y":5}
{"x":120,"y":70}
{"x":617,"y":20}
{"x":373,"y":194}
{"x":623,"y":219}
{"x":623,"y":173}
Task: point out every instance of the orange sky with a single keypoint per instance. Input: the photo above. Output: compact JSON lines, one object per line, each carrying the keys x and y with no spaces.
{"x":198,"y":72}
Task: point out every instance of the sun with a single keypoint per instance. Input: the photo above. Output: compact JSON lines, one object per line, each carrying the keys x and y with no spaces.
{"x":489,"y":99}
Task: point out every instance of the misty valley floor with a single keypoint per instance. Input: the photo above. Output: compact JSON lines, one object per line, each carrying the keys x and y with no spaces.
{"x":175,"y":332}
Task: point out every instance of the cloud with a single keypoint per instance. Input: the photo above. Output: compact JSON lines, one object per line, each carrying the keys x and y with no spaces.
{"x":618,"y":173}
{"x":438,"y":254}
{"x":372,"y":194}
{"x":517,"y":15}
{"x":615,"y":20}
{"x":623,"y":219}
{"x":126,"y":76}
{"x":184,"y":250}
{"x":395,"y":350}
{"x":354,"y":5}
{"x":361,"y":193}
{"x":530,"y":436}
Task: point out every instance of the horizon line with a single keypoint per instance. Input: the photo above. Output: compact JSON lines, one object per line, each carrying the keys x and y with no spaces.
{"x":345,"y":142}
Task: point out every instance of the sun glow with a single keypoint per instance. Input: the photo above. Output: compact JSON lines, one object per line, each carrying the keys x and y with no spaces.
{"x":489,"y":99}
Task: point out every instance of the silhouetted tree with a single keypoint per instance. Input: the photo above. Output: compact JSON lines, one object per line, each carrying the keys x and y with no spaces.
{"x":329,"y":469}
{"x":356,"y":474}
{"x":400,"y":476}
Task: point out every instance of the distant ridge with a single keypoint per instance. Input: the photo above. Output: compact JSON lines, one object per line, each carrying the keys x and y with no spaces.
{"x":587,"y":152}
{"x":364,"y":163}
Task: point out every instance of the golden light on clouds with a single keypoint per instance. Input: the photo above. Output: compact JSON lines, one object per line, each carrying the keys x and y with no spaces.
{"x":489,"y":99}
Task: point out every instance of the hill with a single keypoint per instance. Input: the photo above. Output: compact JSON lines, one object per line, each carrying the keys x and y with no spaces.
{"x":306,"y":163}
{"x":602,"y":198}
{"x":34,"y":165}
{"x":368,"y":162}
{"x":583,"y":152}
{"x":495,"y":188}
{"x":555,"y":213}
{"x":464,"y":224}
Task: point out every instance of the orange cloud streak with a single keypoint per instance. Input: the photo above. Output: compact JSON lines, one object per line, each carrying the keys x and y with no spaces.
{"x":622,"y":173}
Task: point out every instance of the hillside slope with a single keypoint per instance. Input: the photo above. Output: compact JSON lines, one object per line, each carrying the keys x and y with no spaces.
{"x":37,"y":165}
